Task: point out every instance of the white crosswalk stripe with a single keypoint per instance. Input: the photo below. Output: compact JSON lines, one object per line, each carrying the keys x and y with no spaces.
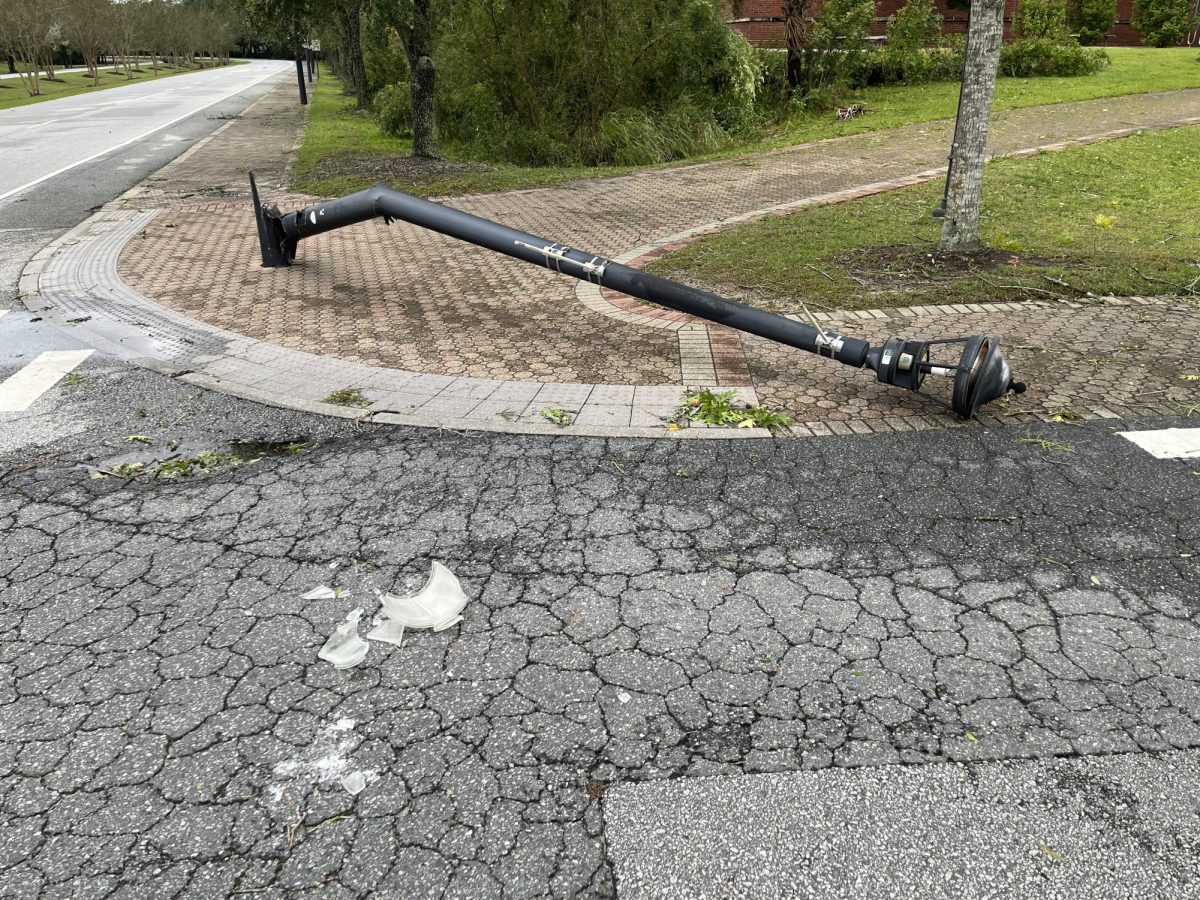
{"x":1168,"y":443}
{"x":21,"y":389}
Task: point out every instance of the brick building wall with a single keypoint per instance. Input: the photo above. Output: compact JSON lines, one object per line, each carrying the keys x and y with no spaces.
{"x":761,"y":21}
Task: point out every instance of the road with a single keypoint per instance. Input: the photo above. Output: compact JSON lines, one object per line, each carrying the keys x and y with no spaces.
{"x":64,"y":158}
{"x":56,"y":72}
{"x":641,"y":613}
{"x":43,"y":140}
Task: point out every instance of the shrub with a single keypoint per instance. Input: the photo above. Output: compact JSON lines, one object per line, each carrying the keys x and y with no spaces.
{"x":1092,"y":19}
{"x":384,"y":59}
{"x":635,"y":137}
{"x":1042,"y":20}
{"x":393,"y":108}
{"x":838,"y":49}
{"x":623,"y":80}
{"x":774,"y":92}
{"x":1027,"y":58}
{"x":945,"y":63}
{"x":910,"y":30}
{"x":1164,"y":23}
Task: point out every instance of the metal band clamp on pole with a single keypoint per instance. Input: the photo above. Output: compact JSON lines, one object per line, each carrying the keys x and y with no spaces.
{"x":981,"y":374}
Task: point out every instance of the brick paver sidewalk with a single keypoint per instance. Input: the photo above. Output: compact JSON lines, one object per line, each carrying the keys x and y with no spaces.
{"x":403,"y":298}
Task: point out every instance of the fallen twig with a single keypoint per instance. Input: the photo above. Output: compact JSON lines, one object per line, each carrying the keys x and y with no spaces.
{"x":1156,"y":280}
{"x":818,"y":271}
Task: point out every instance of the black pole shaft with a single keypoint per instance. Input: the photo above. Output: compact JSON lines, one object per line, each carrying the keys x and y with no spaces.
{"x":392,"y":204}
{"x":300,"y":80}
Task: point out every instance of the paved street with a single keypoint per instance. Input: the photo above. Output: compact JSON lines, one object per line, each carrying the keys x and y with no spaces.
{"x":43,"y":139}
{"x":639,"y":611}
{"x":15,"y":75}
{"x":84,"y":126}
{"x":1034,"y":829}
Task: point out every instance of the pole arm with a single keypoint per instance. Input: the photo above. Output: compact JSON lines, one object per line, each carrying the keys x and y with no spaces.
{"x":385,"y":202}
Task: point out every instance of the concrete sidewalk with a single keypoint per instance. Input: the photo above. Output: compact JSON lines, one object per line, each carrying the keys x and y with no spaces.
{"x":436,"y":332}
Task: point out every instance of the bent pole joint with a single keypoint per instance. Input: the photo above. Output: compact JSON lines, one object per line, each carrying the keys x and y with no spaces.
{"x":981,"y":373}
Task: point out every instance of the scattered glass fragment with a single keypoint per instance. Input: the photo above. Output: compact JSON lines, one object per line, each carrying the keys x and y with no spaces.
{"x":344,"y":647}
{"x":354,"y":783}
{"x":387,"y":630}
{"x":323,"y":592}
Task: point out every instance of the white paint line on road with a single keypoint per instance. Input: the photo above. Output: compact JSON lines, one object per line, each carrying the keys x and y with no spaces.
{"x":142,"y":136}
{"x":21,"y":389}
{"x":1168,"y":443}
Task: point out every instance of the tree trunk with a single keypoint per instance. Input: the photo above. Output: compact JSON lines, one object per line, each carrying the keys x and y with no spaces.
{"x":960,"y":228}
{"x":795,"y":24}
{"x":418,"y":43}
{"x":12,"y":63}
{"x":424,"y":83}
{"x":354,"y":71}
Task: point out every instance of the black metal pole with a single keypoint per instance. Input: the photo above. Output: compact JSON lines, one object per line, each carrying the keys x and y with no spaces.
{"x":300,"y":80}
{"x":391,"y":204}
{"x":308,"y":55}
{"x":981,"y":375}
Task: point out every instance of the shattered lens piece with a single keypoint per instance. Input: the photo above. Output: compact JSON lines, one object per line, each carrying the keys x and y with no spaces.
{"x":324,"y":592}
{"x":354,"y":783}
{"x":345,"y":648}
{"x":388,"y":631}
{"x":437,"y":605}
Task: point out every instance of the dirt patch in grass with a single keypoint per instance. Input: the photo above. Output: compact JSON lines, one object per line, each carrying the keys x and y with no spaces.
{"x":401,"y":169}
{"x":908,"y":267}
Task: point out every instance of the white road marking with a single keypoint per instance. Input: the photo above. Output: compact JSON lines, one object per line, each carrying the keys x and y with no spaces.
{"x":1168,"y":443}
{"x":142,"y":136}
{"x":20,"y":390}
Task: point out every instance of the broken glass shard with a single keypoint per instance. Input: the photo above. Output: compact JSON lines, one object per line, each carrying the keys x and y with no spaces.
{"x":388,"y":631}
{"x":344,"y":647}
{"x":321,"y":593}
{"x":354,"y":783}
{"x":437,"y":605}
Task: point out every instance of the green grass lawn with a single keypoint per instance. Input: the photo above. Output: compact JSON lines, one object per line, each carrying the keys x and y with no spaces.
{"x":13,"y":93}
{"x":343,"y":150}
{"x":1134,"y":70}
{"x":1120,"y":217}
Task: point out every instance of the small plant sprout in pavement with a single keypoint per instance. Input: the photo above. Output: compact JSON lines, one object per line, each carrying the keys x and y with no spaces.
{"x":559,"y":417}
{"x":1044,"y":444}
{"x":348,"y":397}
{"x":706,"y":407}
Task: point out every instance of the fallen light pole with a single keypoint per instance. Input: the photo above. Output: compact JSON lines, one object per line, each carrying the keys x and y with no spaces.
{"x":981,"y":374}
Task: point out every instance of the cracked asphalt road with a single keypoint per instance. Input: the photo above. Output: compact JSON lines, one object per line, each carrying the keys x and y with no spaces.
{"x":641,"y":610}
